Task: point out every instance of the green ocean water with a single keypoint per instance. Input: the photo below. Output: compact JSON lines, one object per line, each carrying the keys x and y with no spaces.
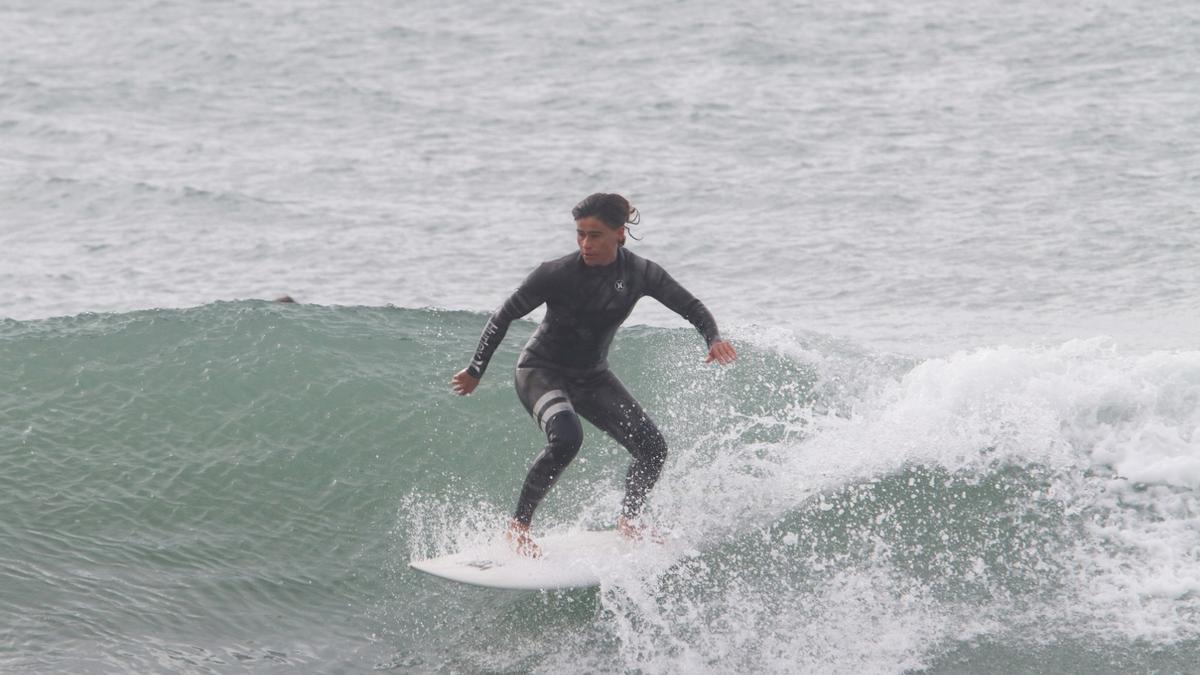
{"x":954,"y":244}
{"x":241,"y":486}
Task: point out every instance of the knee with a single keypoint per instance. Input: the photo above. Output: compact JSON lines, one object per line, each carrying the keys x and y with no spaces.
{"x":651,"y":446}
{"x":564,"y":435}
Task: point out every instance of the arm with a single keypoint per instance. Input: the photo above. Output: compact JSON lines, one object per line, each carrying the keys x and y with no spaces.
{"x":661,"y":287}
{"x":523,"y":301}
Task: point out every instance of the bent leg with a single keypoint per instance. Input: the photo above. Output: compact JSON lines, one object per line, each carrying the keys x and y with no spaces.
{"x":606,"y":403}
{"x":545,"y":397}
{"x":564,"y":435}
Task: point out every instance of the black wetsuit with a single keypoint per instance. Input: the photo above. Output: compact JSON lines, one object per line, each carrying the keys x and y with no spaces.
{"x":563,"y":371}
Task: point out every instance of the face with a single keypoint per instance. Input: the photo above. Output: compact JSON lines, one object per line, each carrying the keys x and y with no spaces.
{"x":598,"y":243}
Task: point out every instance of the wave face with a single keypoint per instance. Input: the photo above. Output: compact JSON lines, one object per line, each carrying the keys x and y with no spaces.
{"x":244,"y":484}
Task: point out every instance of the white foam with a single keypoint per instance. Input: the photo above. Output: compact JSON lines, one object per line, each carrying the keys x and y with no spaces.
{"x":1116,"y":433}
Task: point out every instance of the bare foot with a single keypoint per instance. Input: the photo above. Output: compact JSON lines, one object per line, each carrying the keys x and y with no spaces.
{"x":518,"y":537}
{"x":627,"y":528}
{"x":635,"y":530}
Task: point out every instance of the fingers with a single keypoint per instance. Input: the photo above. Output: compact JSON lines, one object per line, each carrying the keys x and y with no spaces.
{"x":722,"y":352}
{"x":462,"y":383}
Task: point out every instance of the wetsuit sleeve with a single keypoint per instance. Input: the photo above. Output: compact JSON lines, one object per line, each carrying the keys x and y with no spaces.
{"x":661,"y":287}
{"x":528,"y":296}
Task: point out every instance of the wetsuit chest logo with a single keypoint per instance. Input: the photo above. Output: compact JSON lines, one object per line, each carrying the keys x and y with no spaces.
{"x":619,"y":284}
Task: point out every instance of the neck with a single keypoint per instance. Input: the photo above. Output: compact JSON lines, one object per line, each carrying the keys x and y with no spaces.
{"x":600,"y":263}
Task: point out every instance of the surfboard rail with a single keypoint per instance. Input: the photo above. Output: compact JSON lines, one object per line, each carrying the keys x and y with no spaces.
{"x":579,"y":559}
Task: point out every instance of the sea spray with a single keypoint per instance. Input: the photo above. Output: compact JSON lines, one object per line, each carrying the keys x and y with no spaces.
{"x":244,"y":483}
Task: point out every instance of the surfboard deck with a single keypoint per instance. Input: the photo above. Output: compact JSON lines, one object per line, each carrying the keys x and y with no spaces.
{"x":570,"y":560}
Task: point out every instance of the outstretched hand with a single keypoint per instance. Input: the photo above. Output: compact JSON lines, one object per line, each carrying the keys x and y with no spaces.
{"x":462,"y":383}
{"x":722,"y":352}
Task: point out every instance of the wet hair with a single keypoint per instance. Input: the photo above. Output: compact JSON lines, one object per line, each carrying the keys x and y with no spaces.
{"x":611,"y":209}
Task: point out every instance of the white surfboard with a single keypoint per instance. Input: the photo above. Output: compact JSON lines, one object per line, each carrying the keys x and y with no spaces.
{"x":571,"y":560}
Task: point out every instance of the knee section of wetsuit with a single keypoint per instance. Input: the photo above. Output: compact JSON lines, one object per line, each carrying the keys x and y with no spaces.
{"x":564,"y":436}
{"x":649,"y":455}
{"x":649,"y":446}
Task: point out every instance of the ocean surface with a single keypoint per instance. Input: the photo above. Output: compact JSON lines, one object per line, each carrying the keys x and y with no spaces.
{"x":957,"y":245}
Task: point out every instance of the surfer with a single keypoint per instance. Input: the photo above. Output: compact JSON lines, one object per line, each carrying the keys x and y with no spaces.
{"x":562,"y":373}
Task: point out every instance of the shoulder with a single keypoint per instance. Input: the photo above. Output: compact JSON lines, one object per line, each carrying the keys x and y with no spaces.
{"x":566,"y":262}
{"x":643,"y":266}
{"x":550,"y":270}
{"x":635,"y":261}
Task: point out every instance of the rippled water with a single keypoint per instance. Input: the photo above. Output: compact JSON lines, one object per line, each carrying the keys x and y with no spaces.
{"x":244,"y":483}
{"x":926,"y":176}
{"x":956,"y":242}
